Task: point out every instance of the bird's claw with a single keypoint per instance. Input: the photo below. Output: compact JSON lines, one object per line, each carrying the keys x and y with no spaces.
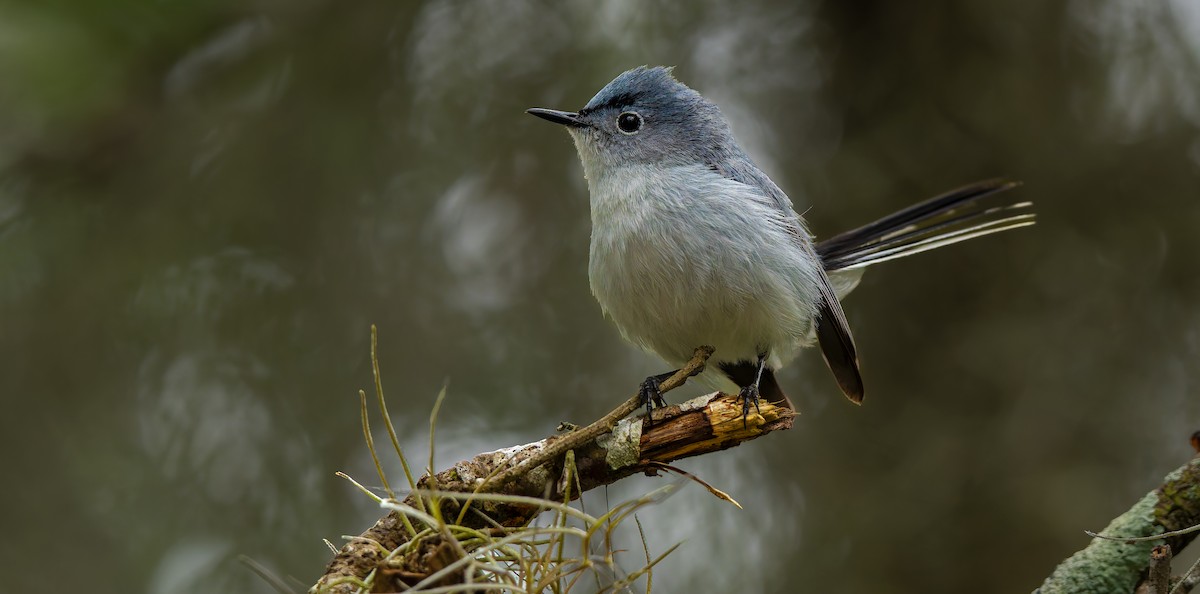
{"x":650,"y":394}
{"x":749,"y":395}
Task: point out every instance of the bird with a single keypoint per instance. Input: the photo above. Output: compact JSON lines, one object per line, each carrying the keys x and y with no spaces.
{"x":692,"y":244}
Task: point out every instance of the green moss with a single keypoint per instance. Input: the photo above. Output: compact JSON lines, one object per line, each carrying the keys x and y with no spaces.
{"x":1108,"y":566}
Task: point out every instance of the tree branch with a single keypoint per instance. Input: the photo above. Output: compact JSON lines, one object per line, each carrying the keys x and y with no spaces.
{"x":1116,"y":561}
{"x":606,"y":451}
{"x":604,"y":425}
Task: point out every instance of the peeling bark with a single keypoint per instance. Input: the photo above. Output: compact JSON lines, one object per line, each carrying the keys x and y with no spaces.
{"x":700,"y":426}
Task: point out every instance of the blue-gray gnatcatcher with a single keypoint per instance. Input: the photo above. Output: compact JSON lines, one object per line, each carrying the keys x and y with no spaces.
{"x":693,"y":245}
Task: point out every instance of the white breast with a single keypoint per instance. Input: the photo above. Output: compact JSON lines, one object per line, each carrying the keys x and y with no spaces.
{"x":682,"y":257}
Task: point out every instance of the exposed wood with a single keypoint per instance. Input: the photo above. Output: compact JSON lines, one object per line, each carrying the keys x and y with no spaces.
{"x":1159,"y":579}
{"x":618,"y":449}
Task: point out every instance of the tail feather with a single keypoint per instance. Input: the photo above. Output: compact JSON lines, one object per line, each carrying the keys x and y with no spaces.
{"x":947,"y":219}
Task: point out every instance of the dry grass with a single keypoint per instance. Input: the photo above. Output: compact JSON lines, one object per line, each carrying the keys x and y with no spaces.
{"x":564,"y":550}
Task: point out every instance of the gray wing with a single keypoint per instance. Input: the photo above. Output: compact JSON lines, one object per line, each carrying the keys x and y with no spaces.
{"x":833,"y":331}
{"x":741,"y":169}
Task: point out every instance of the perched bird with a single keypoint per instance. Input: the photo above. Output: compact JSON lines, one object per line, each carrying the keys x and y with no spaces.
{"x":692,"y":244}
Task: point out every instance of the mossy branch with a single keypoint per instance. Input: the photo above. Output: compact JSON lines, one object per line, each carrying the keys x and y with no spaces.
{"x":1119,"y":558}
{"x":604,"y":452}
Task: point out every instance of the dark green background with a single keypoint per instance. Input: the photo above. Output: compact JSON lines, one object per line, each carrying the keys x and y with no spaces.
{"x":203,"y":207}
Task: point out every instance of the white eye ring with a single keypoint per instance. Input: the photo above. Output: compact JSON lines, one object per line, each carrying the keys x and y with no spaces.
{"x":629,"y":122}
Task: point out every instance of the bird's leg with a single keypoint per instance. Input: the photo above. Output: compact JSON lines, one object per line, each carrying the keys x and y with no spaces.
{"x":649,"y":392}
{"x":749,"y":394}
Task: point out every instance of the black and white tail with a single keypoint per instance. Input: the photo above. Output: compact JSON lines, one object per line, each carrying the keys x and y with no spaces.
{"x":957,"y":215}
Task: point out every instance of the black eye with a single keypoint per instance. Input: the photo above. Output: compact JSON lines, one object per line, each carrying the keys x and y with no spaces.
{"x":629,"y":122}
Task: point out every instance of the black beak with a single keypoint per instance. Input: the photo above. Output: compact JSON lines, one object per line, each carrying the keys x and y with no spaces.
{"x":566,"y":118}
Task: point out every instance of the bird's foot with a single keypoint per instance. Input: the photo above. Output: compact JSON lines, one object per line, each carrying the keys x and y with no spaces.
{"x":650,"y":395}
{"x":749,"y":395}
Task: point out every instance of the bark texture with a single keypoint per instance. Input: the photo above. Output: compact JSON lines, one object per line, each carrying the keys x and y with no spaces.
{"x":1116,"y":566}
{"x":700,"y":426}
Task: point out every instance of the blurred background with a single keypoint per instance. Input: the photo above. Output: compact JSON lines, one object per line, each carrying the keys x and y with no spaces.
{"x":204,"y":206}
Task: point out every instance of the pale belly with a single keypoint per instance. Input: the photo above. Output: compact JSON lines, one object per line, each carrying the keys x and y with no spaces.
{"x":674,"y":279}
